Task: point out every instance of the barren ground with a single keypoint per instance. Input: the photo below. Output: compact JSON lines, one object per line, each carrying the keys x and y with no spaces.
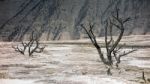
{"x":67,"y":63}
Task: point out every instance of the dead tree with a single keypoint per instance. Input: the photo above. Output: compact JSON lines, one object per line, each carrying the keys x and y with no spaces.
{"x":111,"y":45}
{"x":35,"y":48}
{"x":32,"y":46}
{"x":143,"y":77}
{"x":21,"y":50}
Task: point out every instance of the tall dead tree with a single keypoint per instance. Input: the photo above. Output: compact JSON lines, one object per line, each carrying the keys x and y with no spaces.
{"x":111,"y":45}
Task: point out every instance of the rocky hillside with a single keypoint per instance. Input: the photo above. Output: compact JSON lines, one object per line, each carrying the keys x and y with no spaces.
{"x":61,"y":19}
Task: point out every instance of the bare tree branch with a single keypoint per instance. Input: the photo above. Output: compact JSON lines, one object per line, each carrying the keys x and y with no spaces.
{"x":33,"y":46}
{"x":111,"y":45}
{"x":21,"y":50}
{"x":94,"y":42}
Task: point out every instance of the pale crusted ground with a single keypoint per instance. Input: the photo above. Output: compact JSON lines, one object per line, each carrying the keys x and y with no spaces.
{"x":140,"y":40}
{"x":70,"y":64}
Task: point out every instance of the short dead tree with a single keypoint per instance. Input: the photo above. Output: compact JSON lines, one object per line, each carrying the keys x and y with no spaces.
{"x":32,"y":45}
{"x":20,"y":49}
{"x":113,"y":49}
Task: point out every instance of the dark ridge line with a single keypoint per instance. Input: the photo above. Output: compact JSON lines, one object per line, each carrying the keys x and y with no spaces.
{"x":30,"y":22}
{"x":111,"y":4}
{"x":15,"y":15}
{"x":34,"y":7}
{"x":23,"y":4}
{"x":33,"y":20}
{"x":48,"y":14}
{"x":82,"y":13}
